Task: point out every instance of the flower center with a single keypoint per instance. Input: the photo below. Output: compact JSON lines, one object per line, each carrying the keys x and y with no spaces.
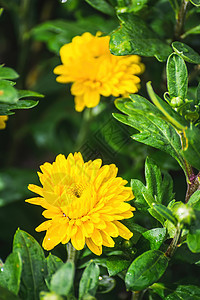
{"x":77,"y":190}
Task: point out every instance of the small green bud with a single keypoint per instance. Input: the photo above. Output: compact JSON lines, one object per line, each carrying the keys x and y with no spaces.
{"x":184,"y":213}
{"x":127,"y":244}
{"x":176,"y":102}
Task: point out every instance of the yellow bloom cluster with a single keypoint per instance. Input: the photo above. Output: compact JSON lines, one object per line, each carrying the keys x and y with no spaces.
{"x":3,"y":120}
{"x":94,"y":71}
{"x":84,"y":203}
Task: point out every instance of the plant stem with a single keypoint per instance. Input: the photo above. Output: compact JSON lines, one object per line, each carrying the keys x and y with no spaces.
{"x":175,"y":7}
{"x":81,"y":139}
{"x":135,"y":296}
{"x":180,"y":20}
{"x":71,"y":253}
{"x":193,"y":186}
{"x":172,"y":247}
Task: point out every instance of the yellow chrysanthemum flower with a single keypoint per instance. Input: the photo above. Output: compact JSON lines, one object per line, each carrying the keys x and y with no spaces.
{"x":84,"y":203}
{"x":3,"y":120}
{"x":94,"y":71}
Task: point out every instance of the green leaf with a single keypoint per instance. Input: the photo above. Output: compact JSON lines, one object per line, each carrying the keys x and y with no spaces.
{"x":7,"y":295}
{"x":186,"y":52}
{"x":194,"y":200}
{"x":145,"y":270}
{"x":53,"y":264}
{"x":156,"y":215}
{"x":153,"y":178}
{"x":26,"y":93}
{"x":193,"y":30}
{"x":160,"y":188}
{"x":10,"y":273}
{"x":134,"y":6}
{"x":8,"y":94}
{"x":135,"y":37}
{"x":185,"y":292}
{"x":191,"y":149}
{"x":156,"y":237}
{"x":165,"y":213}
{"x":62,"y":280}
{"x":106,"y":284}
{"x":89,"y":280}
{"x":193,"y":237}
{"x":102,"y":6}
{"x":34,"y":267}
{"x":177,"y":76}
{"x":6,"y":109}
{"x":7,"y":73}
{"x":159,"y":289}
{"x":143,"y":198}
{"x":116,"y":265}
{"x":139,"y":104}
{"x":154,"y":131}
{"x":56,"y":33}
{"x":195,"y":2}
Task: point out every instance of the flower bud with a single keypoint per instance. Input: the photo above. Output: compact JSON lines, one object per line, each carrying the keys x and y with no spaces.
{"x":176,"y":101}
{"x":184,"y":213}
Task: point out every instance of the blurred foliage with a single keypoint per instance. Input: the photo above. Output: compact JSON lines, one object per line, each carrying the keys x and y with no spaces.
{"x":166,"y":35}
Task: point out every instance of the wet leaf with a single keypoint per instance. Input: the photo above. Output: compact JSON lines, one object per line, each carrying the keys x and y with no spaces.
{"x":116,"y":265}
{"x":62,"y":281}
{"x":186,"y":292}
{"x":135,"y":37}
{"x":89,"y":280}
{"x":145,"y":270}
{"x":10,"y":273}
{"x":33,"y":267}
{"x":102,"y":6}
{"x":156,"y":237}
{"x":186,"y":52}
{"x":177,"y":77}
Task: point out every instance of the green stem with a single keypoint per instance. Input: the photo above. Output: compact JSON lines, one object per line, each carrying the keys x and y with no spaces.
{"x":172,"y":247}
{"x":83,"y":133}
{"x":71,"y":253}
{"x":193,"y":186}
{"x":180,"y":20}
{"x":175,"y":6}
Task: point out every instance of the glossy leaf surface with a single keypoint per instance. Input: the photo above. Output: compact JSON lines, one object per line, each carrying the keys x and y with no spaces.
{"x":135,"y":37}
{"x":145,"y":270}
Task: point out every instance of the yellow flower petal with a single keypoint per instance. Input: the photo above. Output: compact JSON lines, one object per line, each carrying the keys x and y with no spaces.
{"x":3,"y":120}
{"x":93,"y":247}
{"x":123,"y":230}
{"x":78,"y":240}
{"x":44,"y":226}
{"x":54,"y":236}
{"x":97,"y":238}
{"x":107,"y":240}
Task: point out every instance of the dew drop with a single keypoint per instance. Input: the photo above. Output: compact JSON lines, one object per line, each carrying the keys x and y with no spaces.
{"x":2,"y":269}
{"x":63,"y":1}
